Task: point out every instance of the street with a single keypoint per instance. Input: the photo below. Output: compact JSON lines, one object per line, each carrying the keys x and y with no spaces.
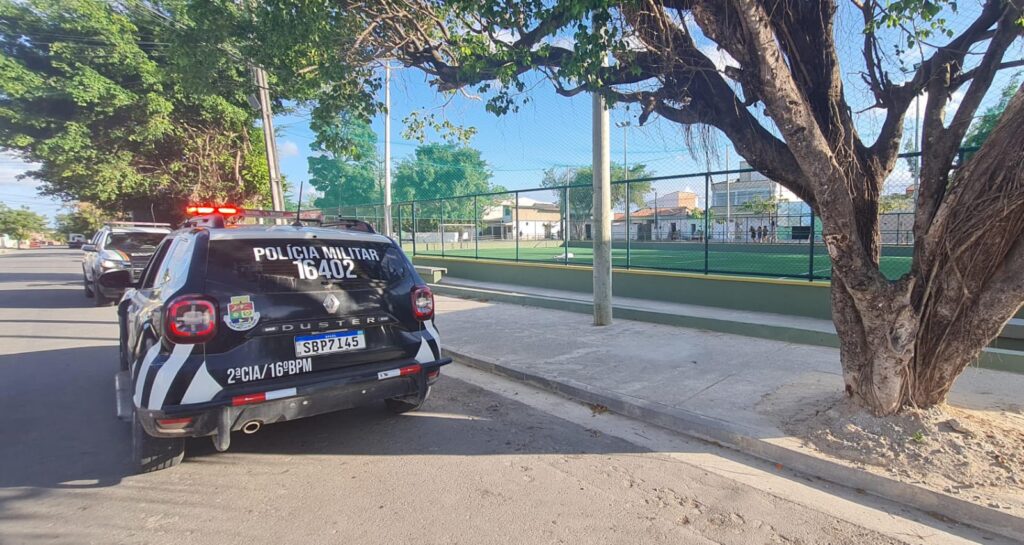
{"x":486,"y":461}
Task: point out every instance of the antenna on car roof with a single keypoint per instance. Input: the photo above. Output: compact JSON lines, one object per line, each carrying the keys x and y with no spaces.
{"x":298,"y":207}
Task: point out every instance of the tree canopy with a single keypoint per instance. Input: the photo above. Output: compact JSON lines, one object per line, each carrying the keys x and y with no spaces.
{"x":347,"y":175}
{"x":124,"y":106}
{"x":20,"y":223}
{"x":81,"y":218}
{"x":441,"y":170}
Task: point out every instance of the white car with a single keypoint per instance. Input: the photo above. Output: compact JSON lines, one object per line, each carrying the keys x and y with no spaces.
{"x":115,"y":247}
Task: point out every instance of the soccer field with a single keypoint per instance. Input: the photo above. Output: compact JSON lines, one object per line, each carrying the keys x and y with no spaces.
{"x":773,"y":260}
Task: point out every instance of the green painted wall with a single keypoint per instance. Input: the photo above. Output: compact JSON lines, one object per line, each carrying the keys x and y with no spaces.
{"x":796,"y":298}
{"x":792,"y":297}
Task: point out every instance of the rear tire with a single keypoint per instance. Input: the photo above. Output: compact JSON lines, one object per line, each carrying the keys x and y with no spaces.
{"x":400,"y":405}
{"x":85,"y":284}
{"x":154,"y":453}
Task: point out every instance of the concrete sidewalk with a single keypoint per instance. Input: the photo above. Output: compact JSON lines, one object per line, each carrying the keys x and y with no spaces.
{"x":709,"y":384}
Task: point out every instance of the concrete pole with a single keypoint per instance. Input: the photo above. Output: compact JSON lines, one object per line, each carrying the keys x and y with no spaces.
{"x":728,"y":199}
{"x":387,"y":149}
{"x":274,"y":168}
{"x":602,"y":231}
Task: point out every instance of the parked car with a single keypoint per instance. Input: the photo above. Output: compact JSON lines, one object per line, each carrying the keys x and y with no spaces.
{"x":118,"y":246}
{"x":76,"y":240}
{"x":234,"y":327}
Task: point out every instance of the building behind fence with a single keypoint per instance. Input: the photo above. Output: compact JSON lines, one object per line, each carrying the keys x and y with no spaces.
{"x":727,"y":222}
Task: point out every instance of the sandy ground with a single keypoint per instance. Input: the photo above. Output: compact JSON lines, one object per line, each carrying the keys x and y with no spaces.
{"x":974,"y":455}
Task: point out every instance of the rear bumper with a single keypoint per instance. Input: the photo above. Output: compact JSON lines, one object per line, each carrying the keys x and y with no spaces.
{"x":291,"y":403}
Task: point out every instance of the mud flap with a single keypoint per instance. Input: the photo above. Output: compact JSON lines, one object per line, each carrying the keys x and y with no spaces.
{"x":123,"y":394}
{"x":222,"y":439}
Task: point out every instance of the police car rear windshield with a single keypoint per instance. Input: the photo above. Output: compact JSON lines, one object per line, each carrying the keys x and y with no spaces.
{"x":275,"y":265}
{"x":135,"y":242}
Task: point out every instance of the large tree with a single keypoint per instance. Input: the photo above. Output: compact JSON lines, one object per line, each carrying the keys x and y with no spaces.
{"x":781,"y":99}
{"x":126,"y":107}
{"x":347,"y":175}
{"x":438,"y":171}
{"x":20,"y":223}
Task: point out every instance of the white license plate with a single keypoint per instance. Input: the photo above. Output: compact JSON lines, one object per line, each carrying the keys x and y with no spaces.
{"x":330,"y":342}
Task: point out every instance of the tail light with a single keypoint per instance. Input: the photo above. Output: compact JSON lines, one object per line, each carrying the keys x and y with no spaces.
{"x":191,"y":319}
{"x":422,"y":303}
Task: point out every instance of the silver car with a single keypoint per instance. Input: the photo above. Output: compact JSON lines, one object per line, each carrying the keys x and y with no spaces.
{"x":115,"y":247}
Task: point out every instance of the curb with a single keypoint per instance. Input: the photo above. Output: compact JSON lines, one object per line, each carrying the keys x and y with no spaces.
{"x":991,"y":358}
{"x":745,"y":440}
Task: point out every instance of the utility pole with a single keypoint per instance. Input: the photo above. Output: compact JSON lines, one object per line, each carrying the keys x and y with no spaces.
{"x":274,"y":168}
{"x":387,"y":149}
{"x":602,"y":213}
{"x":728,"y":197}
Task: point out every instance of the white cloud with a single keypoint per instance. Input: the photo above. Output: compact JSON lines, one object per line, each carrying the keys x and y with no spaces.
{"x":289,"y":149}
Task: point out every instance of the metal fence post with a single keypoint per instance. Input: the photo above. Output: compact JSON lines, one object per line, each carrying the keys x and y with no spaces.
{"x":476,"y":229}
{"x":628,"y":224}
{"x":899,"y":220}
{"x":399,"y":226}
{"x":413,"y":227}
{"x":515,"y":224}
{"x":566,"y":236}
{"x":707,"y":220}
{"x":810,"y":253}
{"x":440,"y":226}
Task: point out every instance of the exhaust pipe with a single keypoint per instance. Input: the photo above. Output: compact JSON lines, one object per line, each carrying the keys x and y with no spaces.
{"x":251,"y":427}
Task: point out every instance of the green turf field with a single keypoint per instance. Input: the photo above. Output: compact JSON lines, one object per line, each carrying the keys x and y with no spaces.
{"x":775,"y":260}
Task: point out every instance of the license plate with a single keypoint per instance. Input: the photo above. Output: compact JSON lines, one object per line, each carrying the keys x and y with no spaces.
{"x":329,"y":343}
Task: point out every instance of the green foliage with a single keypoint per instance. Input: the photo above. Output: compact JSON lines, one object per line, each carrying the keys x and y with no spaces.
{"x":921,"y":19}
{"x":82,"y":218}
{"x":895,"y":202}
{"x":124,"y":107}
{"x":581,"y":200}
{"x":309,"y":50}
{"x":348,"y":171}
{"x":20,"y":223}
{"x":984,"y":125}
{"x":762,"y":206}
{"x":441,"y":170}
{"x":444,"y":170}
{"x":698,"y":214}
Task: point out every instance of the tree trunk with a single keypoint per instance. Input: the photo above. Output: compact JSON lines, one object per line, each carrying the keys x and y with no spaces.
{"x":904,"y":342}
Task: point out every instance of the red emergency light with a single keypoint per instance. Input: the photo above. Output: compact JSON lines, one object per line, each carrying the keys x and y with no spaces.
{"x":201,"y":210}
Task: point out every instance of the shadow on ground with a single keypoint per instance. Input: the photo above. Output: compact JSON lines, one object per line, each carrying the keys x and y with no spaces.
{"x":53,"y":299}
{"x":60,"y":406}
{"x":28,"y":275}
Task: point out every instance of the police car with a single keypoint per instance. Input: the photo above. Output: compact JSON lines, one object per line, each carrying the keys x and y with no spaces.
{"x":232,"y":327}
{"x":118,"y":246}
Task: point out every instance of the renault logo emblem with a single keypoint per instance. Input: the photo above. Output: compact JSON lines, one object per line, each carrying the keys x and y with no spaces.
{"x":331,"y":303}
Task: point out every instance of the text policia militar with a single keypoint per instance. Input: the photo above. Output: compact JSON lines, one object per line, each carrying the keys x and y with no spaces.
{"x":313,"y":262}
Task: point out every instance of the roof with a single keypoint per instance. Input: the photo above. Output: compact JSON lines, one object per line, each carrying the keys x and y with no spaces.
{"x":120,"y":230}
{"x":291,"y":232}
{"x":663,"y":212}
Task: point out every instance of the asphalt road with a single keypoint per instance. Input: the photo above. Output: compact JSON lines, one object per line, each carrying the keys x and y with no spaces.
{"x":487,"y":461}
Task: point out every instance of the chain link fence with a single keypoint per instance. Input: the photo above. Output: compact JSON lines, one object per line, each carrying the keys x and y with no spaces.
{"x":735,"y":222}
